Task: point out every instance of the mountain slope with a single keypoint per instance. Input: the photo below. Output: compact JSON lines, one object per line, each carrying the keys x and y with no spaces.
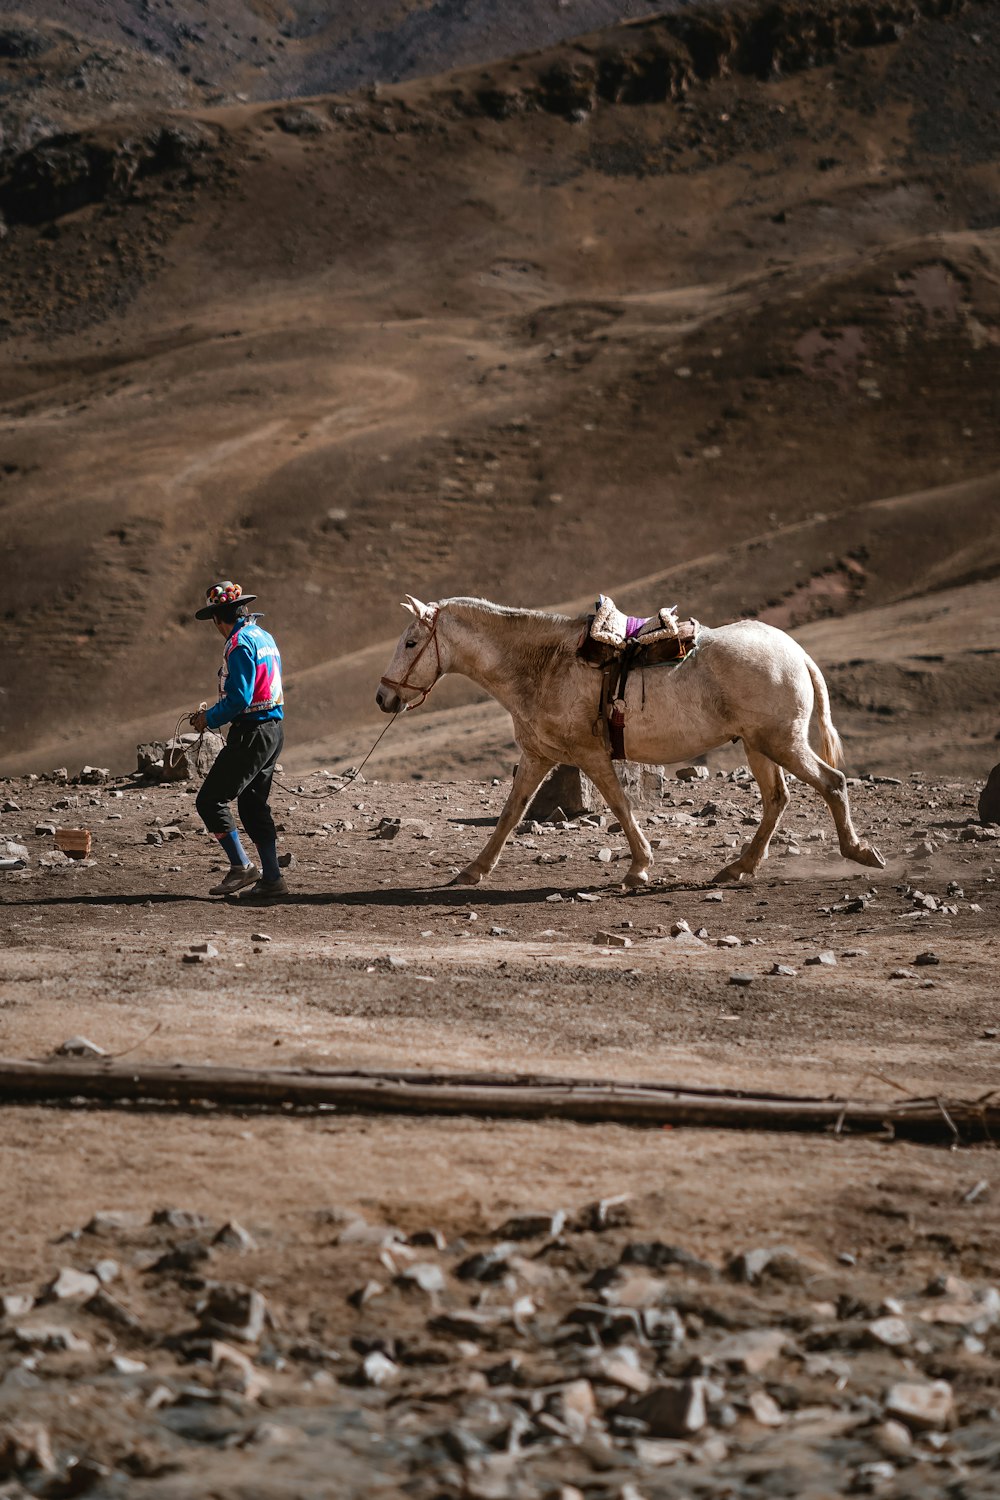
{"x":526,"y":332}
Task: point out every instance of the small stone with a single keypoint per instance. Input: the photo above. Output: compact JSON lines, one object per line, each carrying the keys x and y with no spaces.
{"x":893,"y":1438}
{"x":765,"y":1409}
{"x":529,"y":1226}
{"x":751,"y":1351}
{"x":206,"y":949}
{"x":378,"y":1369}
{"x":107,"y":1271}
{"x":730,"y":941}
{"x":922,"y":960}
{"x":605,"y":856}
{"x":612,"y":940}
{"x":125,"y":1366}
{"x":42,"y":829}
{"x":692,"y":773}
{"x":235,"y":1312}
{"x":235,"y":1372}
{"x":674,"y":1410}
{"x":785,"y":970}
{"x":50,"y":1338}
{"x":79,"y":1046}
{"x":827,"y":958}
{"x":24,"y":1446}
{"x":891,"y":1332}
{"x":15,"y":1304}
{"x":676,"y":928}
{"x":902,"y":974}
{"x":260,"y":937}
{"x":234,"y":1237}
{"x":364,"y":1294}
{"x":922,"y":1406}
{"x":779,"y":1261}
{"x":741,"y":980}
{"x":425,"y":1276}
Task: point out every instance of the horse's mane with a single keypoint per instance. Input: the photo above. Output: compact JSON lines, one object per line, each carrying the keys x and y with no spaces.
{"x":539,"y":635}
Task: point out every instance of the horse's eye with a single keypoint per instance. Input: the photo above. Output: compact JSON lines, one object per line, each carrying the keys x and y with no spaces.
{"x":410,"y":645}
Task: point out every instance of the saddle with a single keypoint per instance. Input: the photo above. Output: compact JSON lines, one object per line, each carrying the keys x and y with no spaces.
{"x":617,"y":644}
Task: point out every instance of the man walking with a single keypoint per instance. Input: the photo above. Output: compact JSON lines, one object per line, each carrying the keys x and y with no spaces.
{"x":250,"y":700}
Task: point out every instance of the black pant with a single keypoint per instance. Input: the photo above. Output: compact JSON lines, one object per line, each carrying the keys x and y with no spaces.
{"x":243,"y":769}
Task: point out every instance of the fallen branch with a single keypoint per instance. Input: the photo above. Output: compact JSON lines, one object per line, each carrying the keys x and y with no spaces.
{"x":582,"y":1100}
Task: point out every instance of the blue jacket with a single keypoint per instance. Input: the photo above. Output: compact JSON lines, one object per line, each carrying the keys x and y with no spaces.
{"x":249,"y":678}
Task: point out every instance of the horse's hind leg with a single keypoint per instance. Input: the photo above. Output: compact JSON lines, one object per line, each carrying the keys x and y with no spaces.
{"x":801,"y":759}
{"x":774,"y":797}
{"x":527,"y":779}
{"x":602,"y":774}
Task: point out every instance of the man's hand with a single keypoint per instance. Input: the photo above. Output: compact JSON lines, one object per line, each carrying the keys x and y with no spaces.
{"x":198,"y":721}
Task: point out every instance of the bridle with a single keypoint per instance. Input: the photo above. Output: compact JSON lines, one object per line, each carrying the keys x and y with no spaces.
{"x":405,"y":681}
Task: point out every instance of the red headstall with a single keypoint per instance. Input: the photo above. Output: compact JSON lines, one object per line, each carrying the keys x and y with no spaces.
{"x":405,"y":681}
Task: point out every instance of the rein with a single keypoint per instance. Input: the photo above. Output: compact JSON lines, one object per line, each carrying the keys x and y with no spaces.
{"x":405,"y":680}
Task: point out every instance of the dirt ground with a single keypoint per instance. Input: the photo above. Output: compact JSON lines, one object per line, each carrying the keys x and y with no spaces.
{"x":375,"y":962}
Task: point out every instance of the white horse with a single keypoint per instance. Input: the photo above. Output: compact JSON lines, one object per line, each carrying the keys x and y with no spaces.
{"x":744,"y":681}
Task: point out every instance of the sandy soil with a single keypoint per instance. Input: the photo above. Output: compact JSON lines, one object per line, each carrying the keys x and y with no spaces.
{"x":374,"y":962}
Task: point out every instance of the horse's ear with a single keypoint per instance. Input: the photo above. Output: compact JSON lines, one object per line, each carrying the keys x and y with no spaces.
{"x":416,"y":607}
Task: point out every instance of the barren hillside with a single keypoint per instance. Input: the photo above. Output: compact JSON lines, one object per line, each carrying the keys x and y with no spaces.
{"x":703,"y":309}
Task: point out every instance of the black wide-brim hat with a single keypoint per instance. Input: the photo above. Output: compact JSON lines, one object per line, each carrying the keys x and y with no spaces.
{"x":219,"y":596}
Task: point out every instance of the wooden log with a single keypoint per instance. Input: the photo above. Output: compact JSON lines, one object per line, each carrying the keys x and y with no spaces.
{"x":582,"y":1100}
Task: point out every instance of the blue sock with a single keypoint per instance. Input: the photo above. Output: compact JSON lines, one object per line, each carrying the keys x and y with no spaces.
{"x":234,"y":849}
{"x":269,"y":860}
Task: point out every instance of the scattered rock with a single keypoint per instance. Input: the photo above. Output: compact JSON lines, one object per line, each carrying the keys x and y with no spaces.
{"x":827,"y":958}
{"x":692,"y":773}
{"x":779,"y":1261}
{"x":674,"y":1410}
{"x":765,"y":1409}
{"x":892,"y":1332}
{"x":612,"y":940}
{"x":25,"y":1446}
{"x":927,"y":958}
{"x":529,"y":1226}
{"x":71,"y":1284}
{"x":79,"y":1046}
{"x":234,"y":1312}
{"x":751,"y":1351}
{"x":234,"y":1237}
{"x":785,"y":970}
{"x":378,"y":1369}
{"x":902,"y":974}
{"x":742,"y":980}
{"x":923,"y":1406}
{"x":50,"y":1338}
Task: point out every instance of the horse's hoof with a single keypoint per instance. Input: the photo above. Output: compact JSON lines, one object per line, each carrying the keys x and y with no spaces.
{"x":731,"y":875}
{"x":867,"y":854}
{"x":466,"y":877}
{"x":636,"y":878}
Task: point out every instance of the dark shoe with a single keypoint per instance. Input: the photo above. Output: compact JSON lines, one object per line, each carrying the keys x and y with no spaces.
{"x":266,"y":890}
{"x":238,"y":877}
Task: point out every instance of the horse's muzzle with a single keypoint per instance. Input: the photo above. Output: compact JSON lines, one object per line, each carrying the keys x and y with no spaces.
{"x":388,"y":701}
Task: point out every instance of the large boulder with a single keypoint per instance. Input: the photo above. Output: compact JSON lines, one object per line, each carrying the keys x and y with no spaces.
{"x":567,"y":788}
{"x":186,"y":758}
{"x":989,"y":798}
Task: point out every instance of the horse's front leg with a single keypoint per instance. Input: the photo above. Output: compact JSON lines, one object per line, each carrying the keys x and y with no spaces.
{"x":602,"y":774}
{"x":528,"y":778}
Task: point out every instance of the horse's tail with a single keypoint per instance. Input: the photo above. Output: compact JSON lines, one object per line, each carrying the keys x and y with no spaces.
{"x":831,"y":748}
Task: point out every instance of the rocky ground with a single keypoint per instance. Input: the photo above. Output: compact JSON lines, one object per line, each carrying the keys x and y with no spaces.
{"x":240,"y":1303}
